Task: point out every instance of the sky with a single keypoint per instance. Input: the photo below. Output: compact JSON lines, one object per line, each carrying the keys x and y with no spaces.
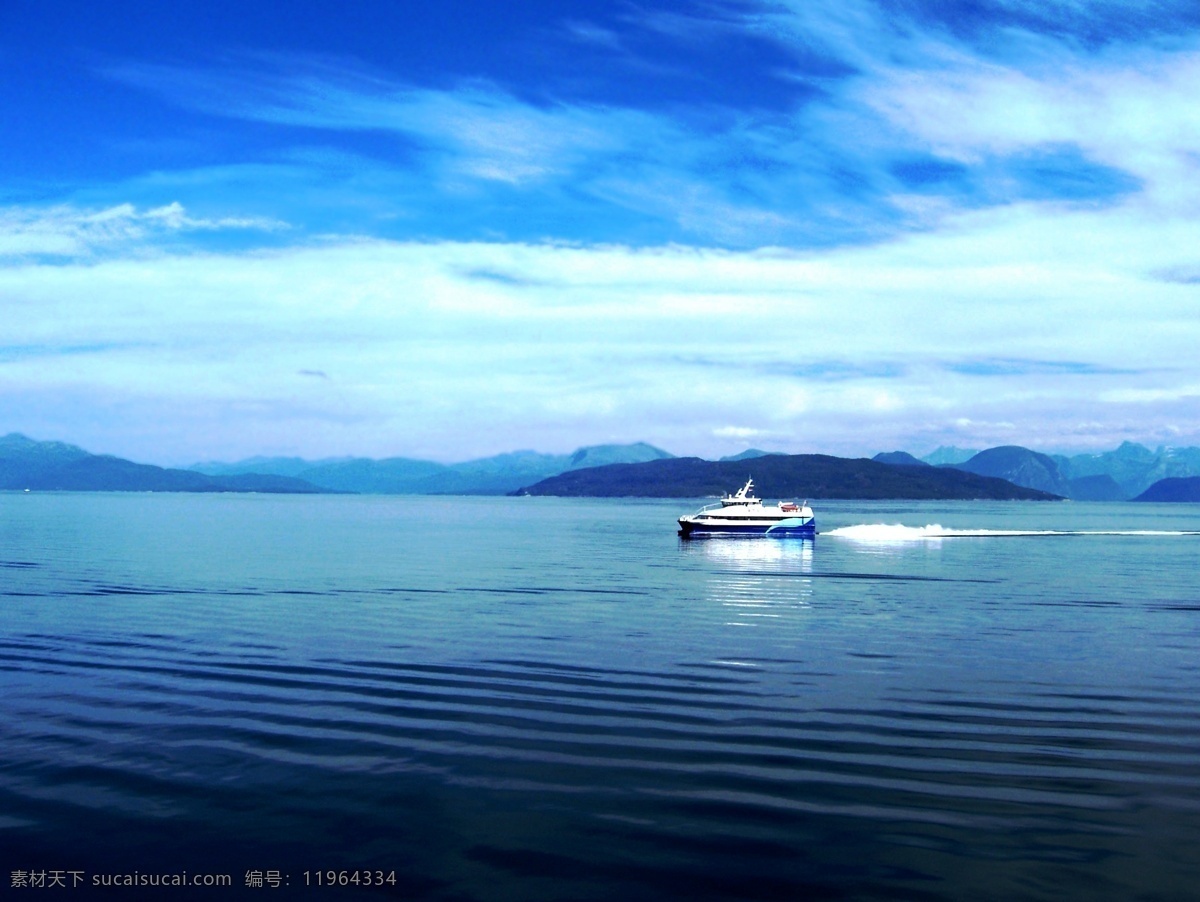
{"x":452,"y":230}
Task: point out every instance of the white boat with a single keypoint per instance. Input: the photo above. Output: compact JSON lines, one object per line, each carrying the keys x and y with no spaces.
{"x":743,"y":514}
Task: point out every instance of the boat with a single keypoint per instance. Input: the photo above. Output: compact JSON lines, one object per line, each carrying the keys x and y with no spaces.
{"x":743,"y":514}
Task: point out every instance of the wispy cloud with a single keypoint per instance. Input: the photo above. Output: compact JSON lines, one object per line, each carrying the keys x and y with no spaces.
{"x":802,"y":365}
{"x":907,"y":120}
{"x":10,"y":353}
{"x":668,"y":345}
{"x":904,"y":113}
{"x":1014,"y":367}
{"x":479,"y":130}
{"x":71,"y":232}
{"x":1127,"y":110}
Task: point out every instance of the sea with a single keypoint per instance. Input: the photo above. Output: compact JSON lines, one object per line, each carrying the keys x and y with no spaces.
{"x":367,"y":697}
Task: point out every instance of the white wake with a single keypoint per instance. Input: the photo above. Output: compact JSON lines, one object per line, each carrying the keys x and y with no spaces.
{"x":896,"y":532}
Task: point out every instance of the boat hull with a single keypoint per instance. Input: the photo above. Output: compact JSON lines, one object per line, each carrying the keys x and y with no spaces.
{"x":792,"y":526}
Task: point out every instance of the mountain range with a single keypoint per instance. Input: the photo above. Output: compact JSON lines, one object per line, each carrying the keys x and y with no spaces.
{"x":496,"y":475}
{"x":1122,"y":474}
{"x":55,"y":466}
{"x":1131,"y":471}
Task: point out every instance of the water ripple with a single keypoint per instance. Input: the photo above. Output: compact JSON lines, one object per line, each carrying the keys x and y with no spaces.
{"x":933,"y":723}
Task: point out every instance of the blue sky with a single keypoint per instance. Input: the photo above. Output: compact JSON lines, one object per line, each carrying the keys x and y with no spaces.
{"x":450,"y":230}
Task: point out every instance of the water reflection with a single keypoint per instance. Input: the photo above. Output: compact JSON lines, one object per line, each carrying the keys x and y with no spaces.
{"x":795,"y":554}
{"x":756,"y":580}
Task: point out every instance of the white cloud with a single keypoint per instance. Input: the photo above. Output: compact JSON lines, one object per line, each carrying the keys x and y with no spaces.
{"x":452,"y":350}
{"x":1133,"y":109}
{"x":70,"y":231}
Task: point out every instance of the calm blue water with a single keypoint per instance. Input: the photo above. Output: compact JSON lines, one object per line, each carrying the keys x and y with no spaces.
{"x":525,"y":699}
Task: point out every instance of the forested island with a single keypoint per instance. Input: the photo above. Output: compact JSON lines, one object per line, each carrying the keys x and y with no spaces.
{"x":782,"y":475}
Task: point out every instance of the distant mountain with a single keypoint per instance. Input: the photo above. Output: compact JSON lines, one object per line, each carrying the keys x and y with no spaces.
{"x":602,"y":455}
{"x":900,"y":459}
{"x":1173,"y":488}
{"x":1096,"y":488}
{"x":54,"y":466}
{"x":1134,"y":467}
{"x":1114,"y":475}
{"x":495,"y":475}
{"x":1019,"y":466}
{"x":393,"y":476}
{"x":505,"y":472}
{"x":273,"y":466}
{"x":948,"y":454}
{"x":779,"y":476}
{"x":24,"y":460}
{"x":748,"y":454}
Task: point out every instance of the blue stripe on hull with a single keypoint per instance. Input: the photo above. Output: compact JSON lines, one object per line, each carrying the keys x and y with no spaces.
{"x":783,"y":532}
